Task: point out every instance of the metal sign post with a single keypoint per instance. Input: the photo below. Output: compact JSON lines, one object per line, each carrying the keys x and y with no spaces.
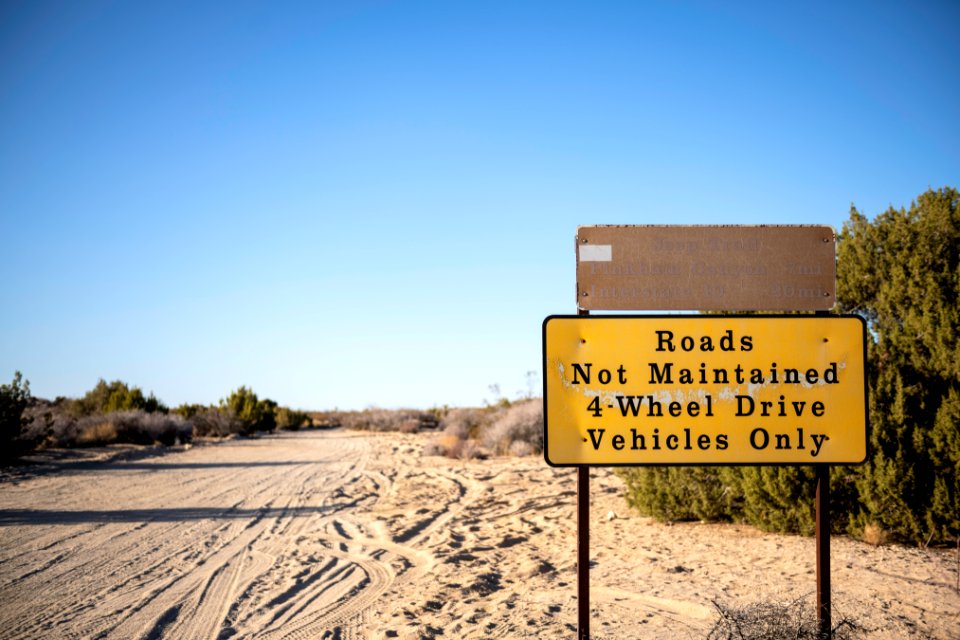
{"x":583,"y":546}
{"x":583,"y":553}
{"x":823,"y":551}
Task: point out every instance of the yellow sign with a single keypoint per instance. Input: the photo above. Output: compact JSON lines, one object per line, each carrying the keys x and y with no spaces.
{"x":704,"y":390}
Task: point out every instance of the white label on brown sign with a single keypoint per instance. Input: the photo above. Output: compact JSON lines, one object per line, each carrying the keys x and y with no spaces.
{"x":596,"y":253}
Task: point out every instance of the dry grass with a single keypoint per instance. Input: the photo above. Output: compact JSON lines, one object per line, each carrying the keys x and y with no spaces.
{"x":514,"y":430}
{"x":212,"y":423}
{"x":453,"y":446}
{"x":384,"y":419}
{"x":98,"y":433}
{"x":519,"y":423}
{"x":876,"y":535}
{"x":465,"y":423}
{"x":775,"y":621}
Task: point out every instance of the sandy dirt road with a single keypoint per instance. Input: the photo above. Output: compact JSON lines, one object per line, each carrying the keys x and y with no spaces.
{"x":348,"y":535}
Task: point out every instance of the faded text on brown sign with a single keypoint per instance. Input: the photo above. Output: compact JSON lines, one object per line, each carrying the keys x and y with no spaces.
{"x":708,"y":267}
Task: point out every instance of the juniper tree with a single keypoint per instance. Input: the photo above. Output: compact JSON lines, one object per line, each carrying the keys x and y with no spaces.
{"x":901,"y":271}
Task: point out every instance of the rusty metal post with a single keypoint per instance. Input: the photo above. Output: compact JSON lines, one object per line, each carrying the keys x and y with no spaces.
{"x":823,"y":552}
{"x":583,"y":545}
{"x":583,"y":553}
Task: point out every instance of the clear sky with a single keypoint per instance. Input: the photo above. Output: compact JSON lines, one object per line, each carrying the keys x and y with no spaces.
{"x":347,"y":204}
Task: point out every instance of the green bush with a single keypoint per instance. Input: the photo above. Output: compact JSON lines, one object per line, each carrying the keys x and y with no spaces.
{"x":291,"y":420}
{"x":901,"y":272}
{"x":108,"y":397}
{"x":14,"y":399}
{"x":680,"y":493}
{"x":136,"y":427}
{"x":189,"y":410}
{"x":249,"y":411}
{"x":115,"y":412}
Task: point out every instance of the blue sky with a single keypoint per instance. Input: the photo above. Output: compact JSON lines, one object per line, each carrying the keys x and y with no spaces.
{"x":347,"y":204}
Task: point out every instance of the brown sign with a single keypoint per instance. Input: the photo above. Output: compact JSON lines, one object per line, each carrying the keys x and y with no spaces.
{"x":735,"y":268}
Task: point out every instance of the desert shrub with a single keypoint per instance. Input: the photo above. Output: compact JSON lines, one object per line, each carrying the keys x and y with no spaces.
{"x":521,"y":421}
{"x":470,"y":450}
{"x":250,"y":412}
{"x":435,"y":447}
{"x":463,"y":429}
{"x":213,"y":423}
{"x":290,"y":420}
{"x":772,"y":498}
{"x":326,"y":419}
{"x":134,"y":427}
{"x":465,"y":422}
{"x":680,"y":493}
{"x":775,"y":621}
{"x":453,"y":446}
{"x":521,"y":448}
{"x":14,"y":400}
{"x":409,"y":426}
{"x":900,"y":272}
{"x":95,"y":431}
{"x":268,"y":415}
{"x":110,"y":397}
{"x":50,"y":423}
{"x":189,"y":410}
{"x":387,"y":419}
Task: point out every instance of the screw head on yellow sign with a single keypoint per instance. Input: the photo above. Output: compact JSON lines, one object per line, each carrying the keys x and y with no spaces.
{"x":704,"y":390}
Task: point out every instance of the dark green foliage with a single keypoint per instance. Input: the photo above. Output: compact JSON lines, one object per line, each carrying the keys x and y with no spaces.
{"x":14,"y":399}
{"x":252,"y":413}
{"x":777,"y":498}
{"x":679,"y":493}
{"x":189,"y":410}
{"x":771,"y":498}
{"x":114,"y":396}
{"x":901,"y":272}
{"x":268,"y":415}
{"x":290,"y":419}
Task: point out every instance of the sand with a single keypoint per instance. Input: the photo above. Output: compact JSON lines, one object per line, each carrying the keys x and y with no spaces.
{"x":335,"y":534}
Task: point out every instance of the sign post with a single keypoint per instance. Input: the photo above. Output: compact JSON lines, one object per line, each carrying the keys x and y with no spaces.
{"x":705,"y":390}
{"x":583,"y":552}
{"x":583,"y":547}
{"x":824,"y":613}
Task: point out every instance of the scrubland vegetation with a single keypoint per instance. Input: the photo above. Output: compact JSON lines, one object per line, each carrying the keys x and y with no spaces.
{"x":901,"y":272}
{"x":503,"y":429}
{"x":115,"y":412}
{"x":506,"y":428}
{"x":768,"y":620}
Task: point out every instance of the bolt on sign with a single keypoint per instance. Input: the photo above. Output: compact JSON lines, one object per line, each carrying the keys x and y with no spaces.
{"x":704,"y":390}
{"x":735,"y":268}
